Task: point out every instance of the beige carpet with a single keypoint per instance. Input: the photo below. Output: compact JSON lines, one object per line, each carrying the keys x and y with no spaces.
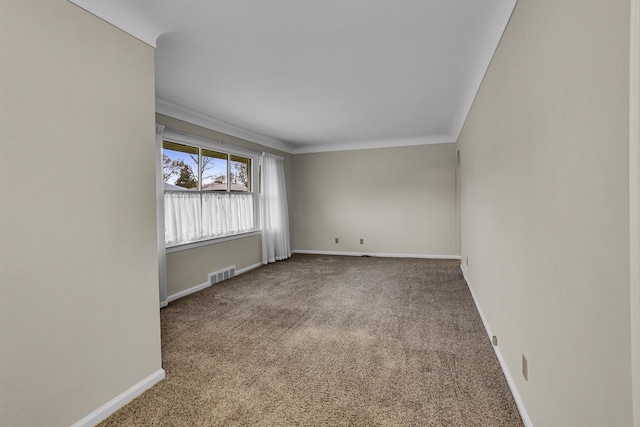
{"x":320,"y":340}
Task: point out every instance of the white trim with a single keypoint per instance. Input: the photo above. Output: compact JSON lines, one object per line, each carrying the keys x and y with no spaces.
{"x":180,"y":112}
{"x":374,"y":143}
{"x":191,"y":245}
{"x":634,"y":206}
{"x":120,"y":400}
{"x":189,"y":291}
{"x":164,"y":303}
{"x":251,"y":267}
{"x":373,"y":254}
{"x":503,"y":364}
{"x":186,"y":114}
{"x":202,"y":286}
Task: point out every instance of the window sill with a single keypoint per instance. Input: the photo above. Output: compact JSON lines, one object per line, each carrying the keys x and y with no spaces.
{"x":199,"y":243}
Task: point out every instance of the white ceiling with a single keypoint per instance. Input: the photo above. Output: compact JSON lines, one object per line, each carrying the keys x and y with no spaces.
{"x":306,"y":76}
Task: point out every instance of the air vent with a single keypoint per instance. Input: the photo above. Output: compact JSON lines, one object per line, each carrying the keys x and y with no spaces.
{"x":221,"y":275}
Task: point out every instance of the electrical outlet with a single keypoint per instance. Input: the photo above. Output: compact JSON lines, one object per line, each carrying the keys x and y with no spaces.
{"x":362,"y":241}
{"x":467,"y":260}
{"x":337,"y":240}
{"x":525,"y":368}
{"x":494,"y":340}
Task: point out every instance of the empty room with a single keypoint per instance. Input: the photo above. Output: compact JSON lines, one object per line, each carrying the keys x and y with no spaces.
{"x":418,"y":213}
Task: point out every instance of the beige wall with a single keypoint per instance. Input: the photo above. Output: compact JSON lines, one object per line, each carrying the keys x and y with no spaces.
{"x":545,"y":209}
{"x":189,"y":268}
{"x":399,"y":200}
{"x":78,"y":265}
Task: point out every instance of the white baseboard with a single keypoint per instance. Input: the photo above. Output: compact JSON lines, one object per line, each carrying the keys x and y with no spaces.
{"x":503,"y":364}
{"x":120,"y":400}
{"x":186,"y":292}
{"x":374,"y":254}
{"x":251,"y":267}
{"x":202,"y":286}
{"x":164,"y":303}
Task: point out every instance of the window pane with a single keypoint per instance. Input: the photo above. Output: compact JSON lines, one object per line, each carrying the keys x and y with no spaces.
{"x":179,"y":166}
{"x":240,"y":174}
{"x":214,"y":170}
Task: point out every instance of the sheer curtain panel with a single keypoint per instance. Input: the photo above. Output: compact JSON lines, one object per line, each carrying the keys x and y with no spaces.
{"x":224,"y":214}
{"x":182,"y":217}
{"x":190,"y":217}
{"x":275,"y":212}
{"x":162,"y":254}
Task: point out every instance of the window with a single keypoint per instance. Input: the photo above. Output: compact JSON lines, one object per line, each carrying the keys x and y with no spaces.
{"x":207,"y":193}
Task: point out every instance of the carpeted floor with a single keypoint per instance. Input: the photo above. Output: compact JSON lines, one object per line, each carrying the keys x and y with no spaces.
{"x":323,"y":341}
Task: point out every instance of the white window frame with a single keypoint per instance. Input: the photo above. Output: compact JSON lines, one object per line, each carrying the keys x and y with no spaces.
{"x":209,"y":144}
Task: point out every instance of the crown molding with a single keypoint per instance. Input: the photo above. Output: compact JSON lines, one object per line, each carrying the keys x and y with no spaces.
{"x":374,"y":143}
{"x":179,"y":112}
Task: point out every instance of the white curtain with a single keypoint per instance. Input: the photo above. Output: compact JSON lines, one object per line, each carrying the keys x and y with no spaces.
{"x":224,"y":213}
{"x":182,"y":217}
{"x":162,"y":255}
{"x":192,"y":216}
{"x":275,"y":214}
